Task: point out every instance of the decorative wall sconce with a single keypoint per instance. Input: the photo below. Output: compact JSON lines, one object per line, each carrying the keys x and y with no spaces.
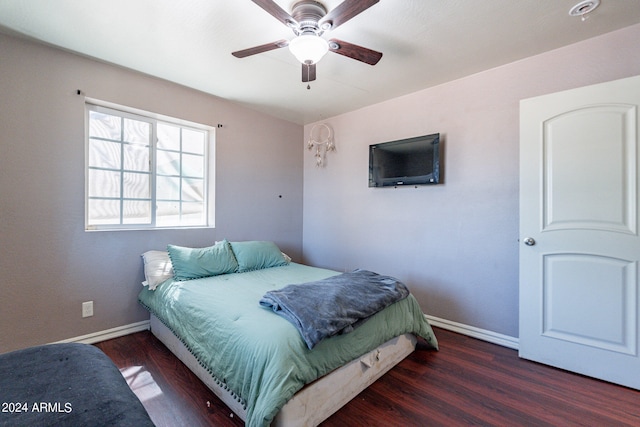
{"x":321,"y":138}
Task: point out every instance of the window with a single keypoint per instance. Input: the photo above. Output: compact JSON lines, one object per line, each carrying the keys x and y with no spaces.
{"x":145,"y":172}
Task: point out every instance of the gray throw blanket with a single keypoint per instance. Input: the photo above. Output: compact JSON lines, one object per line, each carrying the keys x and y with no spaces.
{"x":334,"y":305}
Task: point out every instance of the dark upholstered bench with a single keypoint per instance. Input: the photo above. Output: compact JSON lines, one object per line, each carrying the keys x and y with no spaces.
{"x":66,"y":385}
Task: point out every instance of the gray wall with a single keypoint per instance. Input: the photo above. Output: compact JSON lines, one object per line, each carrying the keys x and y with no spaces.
{"x":455,"y":244}
{"x":48,"y":264}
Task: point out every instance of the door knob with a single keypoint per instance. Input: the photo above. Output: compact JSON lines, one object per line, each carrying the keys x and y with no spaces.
{"x":529,"y":241}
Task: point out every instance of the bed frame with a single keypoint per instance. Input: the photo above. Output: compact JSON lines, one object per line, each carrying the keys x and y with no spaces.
{"x":316,"y":401}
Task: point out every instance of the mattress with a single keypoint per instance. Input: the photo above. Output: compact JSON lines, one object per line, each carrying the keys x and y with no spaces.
{"x":259,"y":357}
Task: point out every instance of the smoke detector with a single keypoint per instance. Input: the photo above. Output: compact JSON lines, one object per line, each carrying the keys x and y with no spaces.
{"x":583,"y":8}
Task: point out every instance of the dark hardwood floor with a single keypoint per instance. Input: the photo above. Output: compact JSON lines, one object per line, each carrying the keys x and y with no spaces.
{"x":467,"y":382}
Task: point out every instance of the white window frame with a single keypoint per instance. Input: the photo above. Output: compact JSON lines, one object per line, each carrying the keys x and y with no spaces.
{"x":153,"y":119}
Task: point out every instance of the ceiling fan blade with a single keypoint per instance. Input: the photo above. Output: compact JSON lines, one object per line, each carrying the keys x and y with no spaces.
{"x":345,"y":11}
{"x":354,"y":51}
{"x":259,"y":49}
{"x":276,"y":11}
{"x":308,"y":72}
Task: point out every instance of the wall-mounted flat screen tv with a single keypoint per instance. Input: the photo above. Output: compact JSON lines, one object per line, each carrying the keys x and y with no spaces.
{"x":412,"y":161}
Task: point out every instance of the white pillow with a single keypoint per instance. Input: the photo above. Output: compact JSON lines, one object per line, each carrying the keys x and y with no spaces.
{"x":157,"y":268}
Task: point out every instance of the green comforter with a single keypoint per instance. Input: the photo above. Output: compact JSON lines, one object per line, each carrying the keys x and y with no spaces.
{"x":259,"y":356}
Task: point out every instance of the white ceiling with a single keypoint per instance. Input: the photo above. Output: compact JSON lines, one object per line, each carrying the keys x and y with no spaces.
{"x":424,"y":42}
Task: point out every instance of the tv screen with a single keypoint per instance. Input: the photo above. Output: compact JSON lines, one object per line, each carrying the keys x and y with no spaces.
{"x":412,"y":161}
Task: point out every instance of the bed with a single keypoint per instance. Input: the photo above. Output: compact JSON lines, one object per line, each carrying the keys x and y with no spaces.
{"x":66,"y":385}
{"x":256,"y":361}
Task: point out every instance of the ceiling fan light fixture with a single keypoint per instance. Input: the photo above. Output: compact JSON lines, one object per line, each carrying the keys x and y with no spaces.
{"x":308,"y":48}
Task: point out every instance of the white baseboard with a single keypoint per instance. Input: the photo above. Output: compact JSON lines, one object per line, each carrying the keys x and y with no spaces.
{"x":109,"y":333}
{"x":472,"y":331}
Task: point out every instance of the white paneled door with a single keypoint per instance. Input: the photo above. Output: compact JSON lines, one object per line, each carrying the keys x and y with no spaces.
{"x":579,"y":238}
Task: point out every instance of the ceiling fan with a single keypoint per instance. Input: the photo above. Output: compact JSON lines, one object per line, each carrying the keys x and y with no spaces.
{"x":309,"y":20}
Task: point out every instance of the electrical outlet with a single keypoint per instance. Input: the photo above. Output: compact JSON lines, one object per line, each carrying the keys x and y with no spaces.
{"x":87,"y":309}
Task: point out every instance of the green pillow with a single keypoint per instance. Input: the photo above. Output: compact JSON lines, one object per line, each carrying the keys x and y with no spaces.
{"x":194,"y":263}
{"x":255,"y":255}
